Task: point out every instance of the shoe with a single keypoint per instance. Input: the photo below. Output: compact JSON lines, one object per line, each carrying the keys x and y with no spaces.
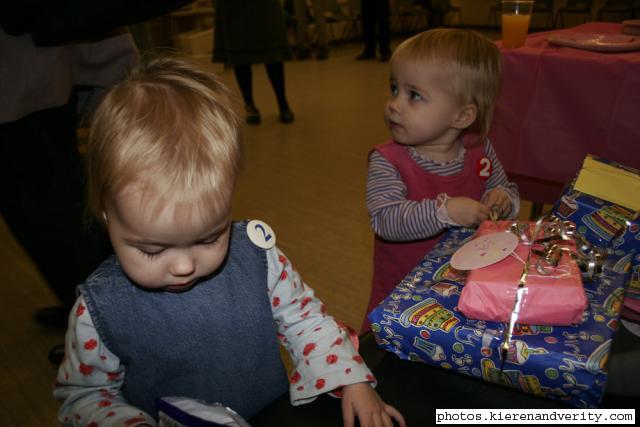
{"x":322,"y":54}
{"x":303,"y":54}
{"x":53,"y":317}
{"x":56,"y":354}
{"x":366,"y":55}
{"x":253,"y":115}
{"x":286,"y":116}
{"x":384,"y":57}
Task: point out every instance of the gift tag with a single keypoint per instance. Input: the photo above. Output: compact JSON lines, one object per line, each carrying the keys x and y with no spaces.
{"x":484,"y":251}
{"x":261,"y":234}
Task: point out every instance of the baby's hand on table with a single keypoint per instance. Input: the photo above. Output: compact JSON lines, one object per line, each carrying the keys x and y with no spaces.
{"x":360,"y":400}
{"x":466,"y":212}
{"x":499,"y":199}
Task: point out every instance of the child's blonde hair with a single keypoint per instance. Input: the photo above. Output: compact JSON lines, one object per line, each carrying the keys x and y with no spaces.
{"x":470,"y":63}
{"x":171,"y":128}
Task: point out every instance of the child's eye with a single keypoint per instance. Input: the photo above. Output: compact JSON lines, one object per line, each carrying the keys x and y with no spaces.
{"x":415,"y":96}
{"x":150,"y":254}
{"x":210,"y":241}
{"x":394,"y":90}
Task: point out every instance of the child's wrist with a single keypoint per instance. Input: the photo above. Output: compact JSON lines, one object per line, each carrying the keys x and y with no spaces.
{"x":442,"y":213}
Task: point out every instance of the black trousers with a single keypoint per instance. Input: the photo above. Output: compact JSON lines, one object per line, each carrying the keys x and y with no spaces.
{"x":42,"y":198}
{"x":375,"y":25}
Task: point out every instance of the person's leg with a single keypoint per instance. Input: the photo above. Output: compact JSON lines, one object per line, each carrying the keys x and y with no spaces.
{"x":302,"y":29}
{"x":244,"y":79}
{"x":368,"y":29}
{"x":275,"y":71}
{"x":382,"y":18}
{"x":42,"y":201}
{"x":321,"y":29}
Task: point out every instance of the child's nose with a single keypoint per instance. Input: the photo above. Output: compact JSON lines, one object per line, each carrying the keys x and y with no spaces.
{"x":182,"y":265}
{"x":394,"y":104}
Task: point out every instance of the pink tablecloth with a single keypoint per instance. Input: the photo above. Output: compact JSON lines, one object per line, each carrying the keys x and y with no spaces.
{"x":558,"y":104}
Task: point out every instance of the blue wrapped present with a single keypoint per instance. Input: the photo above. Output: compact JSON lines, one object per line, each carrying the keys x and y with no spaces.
{"x":599,"y":221}
{"x":607,"y":225}
{"x":419,"y":321}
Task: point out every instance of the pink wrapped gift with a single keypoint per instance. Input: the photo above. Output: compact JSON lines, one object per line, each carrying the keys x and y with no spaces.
{"x":554,"y":296}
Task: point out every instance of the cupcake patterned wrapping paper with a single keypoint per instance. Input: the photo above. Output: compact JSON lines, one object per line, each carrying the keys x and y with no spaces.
{"x":606,"y":224}
{"x":600,"y":222}
{"x":420,"y":321}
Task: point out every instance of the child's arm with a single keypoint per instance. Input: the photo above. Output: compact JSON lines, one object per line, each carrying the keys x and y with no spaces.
{"x":392,"y":216}
{"x":361,"y":401}
{"x":500,"y":191}
{"x":90,"y":378}
{"x":320,"y":349}
{"x":324,"y":357}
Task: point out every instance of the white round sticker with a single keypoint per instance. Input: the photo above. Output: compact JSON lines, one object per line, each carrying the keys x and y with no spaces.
{"x":261,"y":234}
{"x":484,"y":250}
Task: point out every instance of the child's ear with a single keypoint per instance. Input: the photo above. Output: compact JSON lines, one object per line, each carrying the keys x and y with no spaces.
{"x":465,"y":117}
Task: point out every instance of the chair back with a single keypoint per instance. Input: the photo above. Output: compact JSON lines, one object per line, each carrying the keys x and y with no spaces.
{"x":355,"y":7}
{"x":397,"y":5}
{"x":333,"y":9}
{"x":620,"y":4}
{"x":444,"y":5}
{"x":582,"y":5}
{"x":543,"y":6}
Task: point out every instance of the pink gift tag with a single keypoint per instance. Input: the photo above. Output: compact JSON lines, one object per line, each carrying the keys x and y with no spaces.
{"x":484,"y":250}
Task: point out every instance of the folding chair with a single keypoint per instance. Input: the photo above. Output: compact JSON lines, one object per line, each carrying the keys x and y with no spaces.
{"x":545,"y":7}
{"x":495,"y":12}
{"x":334,"y":14}
{"x":620,"y":8}
{"x":580,"y":7}
{"x":408,"y":16}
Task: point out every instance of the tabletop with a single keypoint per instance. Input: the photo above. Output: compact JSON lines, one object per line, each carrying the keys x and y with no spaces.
{"x":416,"y":390}
{"x":558,"y":104}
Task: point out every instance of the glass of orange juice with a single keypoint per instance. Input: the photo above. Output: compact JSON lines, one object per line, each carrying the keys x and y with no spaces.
{"x":516,"y":15}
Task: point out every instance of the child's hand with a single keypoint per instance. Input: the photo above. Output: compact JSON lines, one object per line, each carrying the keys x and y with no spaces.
{"x":360,"y":400}
{"x":466,"y":212}
{"x":498,"y":198}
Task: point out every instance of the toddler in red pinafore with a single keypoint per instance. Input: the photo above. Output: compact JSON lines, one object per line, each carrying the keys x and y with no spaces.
{"x":439,"y":169}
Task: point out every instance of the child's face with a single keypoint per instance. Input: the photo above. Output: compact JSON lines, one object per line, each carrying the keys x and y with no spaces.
{"x":168,"y":249}
{"x":420,"y":111}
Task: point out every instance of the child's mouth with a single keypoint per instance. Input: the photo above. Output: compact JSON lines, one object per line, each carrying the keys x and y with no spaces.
{"x":180,"y":287}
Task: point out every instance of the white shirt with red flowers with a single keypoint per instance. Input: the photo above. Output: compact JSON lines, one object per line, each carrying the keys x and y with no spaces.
{"x":323,"y":352}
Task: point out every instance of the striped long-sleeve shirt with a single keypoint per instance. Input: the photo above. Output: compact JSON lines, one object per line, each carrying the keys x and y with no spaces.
{"x":394,"y":217}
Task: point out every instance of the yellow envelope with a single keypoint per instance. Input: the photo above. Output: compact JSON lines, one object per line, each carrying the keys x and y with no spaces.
{"x":608,"y":182}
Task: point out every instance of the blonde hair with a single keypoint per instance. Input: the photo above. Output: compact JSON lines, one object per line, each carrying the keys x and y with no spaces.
{"x":471,"y":63}
{"x":171,"y":128}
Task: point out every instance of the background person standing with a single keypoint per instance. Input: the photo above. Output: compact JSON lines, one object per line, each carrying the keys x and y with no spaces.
{"x":250,"y":32}
{"x":375,"y":29}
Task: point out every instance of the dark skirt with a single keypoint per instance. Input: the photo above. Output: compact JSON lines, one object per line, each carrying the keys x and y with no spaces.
{"x":250,"y":32}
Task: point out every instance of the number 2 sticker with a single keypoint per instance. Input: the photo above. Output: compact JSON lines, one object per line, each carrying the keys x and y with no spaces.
{"x":484,"y":168}
{"x":261,"y":234}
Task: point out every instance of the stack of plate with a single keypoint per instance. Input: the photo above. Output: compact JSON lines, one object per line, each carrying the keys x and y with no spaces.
{"x":596,"y":41}
{"x":631,"y":27}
